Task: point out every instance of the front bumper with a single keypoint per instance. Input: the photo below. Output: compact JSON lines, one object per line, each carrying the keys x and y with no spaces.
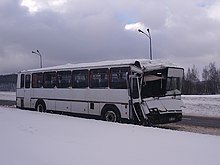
{"x":156,"y":118}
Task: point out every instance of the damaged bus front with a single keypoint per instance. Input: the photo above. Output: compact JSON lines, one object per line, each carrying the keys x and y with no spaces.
{"x":161,"y":94}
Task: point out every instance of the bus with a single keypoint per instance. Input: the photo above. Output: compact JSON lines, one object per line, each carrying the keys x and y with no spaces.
{"x":139,"y":91}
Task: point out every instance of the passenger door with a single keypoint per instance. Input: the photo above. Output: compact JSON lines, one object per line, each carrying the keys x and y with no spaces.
{"x":27,"y":91}
{"x":135,"y":98}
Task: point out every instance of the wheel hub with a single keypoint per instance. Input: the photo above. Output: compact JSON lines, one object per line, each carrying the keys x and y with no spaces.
{"x":110,"y":116}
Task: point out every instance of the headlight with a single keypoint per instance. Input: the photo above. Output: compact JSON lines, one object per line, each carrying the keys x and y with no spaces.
{"x":154,"y":110}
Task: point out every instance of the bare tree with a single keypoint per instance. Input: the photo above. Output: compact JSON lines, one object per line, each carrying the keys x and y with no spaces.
{"x":211,"y":78}
{"x":191,"y":80}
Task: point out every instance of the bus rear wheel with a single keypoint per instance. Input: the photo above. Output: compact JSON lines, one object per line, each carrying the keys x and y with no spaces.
{"x":111,"y":114}
{"x":40,"y":106}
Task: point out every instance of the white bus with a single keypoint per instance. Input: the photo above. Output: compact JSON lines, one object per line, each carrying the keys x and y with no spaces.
{"x":137,"y":91}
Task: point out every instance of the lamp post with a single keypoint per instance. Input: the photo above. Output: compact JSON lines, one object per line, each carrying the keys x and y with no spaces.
{"x":149,"y":36}
{"x":39,"y":54}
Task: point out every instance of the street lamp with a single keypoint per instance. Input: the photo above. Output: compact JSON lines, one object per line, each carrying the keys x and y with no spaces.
{"x":149,"y":36}
{"x":39,"y":54}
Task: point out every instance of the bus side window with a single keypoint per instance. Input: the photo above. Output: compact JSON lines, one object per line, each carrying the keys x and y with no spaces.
{"x":118,"y":78}
{"x":37,"y":80}
{"x":99,"y":78}
{"x":80,"y":79}
{"x":49,"y":80}
{"x":27,"y":81}
{"x":63,"y":79}
{"x":22,"y":81}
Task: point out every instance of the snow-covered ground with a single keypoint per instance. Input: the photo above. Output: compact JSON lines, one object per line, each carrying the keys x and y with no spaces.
{"x":39,"y":138}
{"x":7,"y":96}
{"x":198,"y":105}
{"x":202,"y":105}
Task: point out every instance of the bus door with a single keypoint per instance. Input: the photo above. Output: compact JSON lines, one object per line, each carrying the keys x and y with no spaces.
{"x":136,"y":110}
{"x":27,"y":90}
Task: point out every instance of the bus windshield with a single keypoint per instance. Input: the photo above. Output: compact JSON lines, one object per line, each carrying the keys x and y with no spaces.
{"x":154,"y":84}
{"x":162,"y":82}
{"x":174,"y":86}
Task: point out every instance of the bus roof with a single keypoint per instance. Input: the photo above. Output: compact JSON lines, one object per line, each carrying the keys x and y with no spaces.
{"x":149,"y":65}
{"x":145,"y":63}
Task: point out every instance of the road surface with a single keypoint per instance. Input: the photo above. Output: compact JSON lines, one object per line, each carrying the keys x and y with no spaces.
{"x":201,"y":121}
{"x":196,"y":124}
{"x":7,"y":103}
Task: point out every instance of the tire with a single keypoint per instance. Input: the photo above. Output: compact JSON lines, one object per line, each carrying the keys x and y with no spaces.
{"x":111,"y":114}
{"x":40,"y":106}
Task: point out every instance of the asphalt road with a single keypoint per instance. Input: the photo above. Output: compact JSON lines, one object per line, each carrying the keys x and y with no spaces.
{"x":196,"y":124}
{"x":7,"y":103}
{"x":207,"y":122}
{"x":210,"y":122}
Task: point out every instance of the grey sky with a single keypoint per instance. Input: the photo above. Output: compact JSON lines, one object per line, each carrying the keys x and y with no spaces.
{"x":72,"y":31}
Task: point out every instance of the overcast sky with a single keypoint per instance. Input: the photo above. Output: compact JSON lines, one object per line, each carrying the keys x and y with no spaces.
{"x":72,"y":31}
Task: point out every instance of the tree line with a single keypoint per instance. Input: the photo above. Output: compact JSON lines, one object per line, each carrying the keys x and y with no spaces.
{"x":209,"y":84}
{"x":8,"y":82}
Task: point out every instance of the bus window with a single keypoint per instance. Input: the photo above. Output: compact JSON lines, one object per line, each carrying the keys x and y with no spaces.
{"x":80,"y":79}
{"x":63,"y":79}
{"x":118,"y":78}
{"x":37,"y":80}
{"x":27,"y":81}
{"x":22,"y":81}
{"x":99,"y":78}
{"x":49,"y":79}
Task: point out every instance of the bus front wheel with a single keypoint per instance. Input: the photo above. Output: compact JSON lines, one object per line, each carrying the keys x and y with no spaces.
{"x":111,"y":114}
{"x":40,"y":106}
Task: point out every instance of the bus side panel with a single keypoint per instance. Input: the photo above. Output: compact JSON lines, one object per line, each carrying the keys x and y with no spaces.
{"x":50,"y":104}
{"x":79,"y":107}
{"x":61,"y":99}
{"x":63,"y":106}
{"x":94,"y":108}
{"x":101,"y":97}
{"x":83,"y":101}
{"x":96,"y":97}
{"x":77,"y":97}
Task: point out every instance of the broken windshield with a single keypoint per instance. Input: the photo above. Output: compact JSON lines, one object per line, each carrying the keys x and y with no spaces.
{"x":167,"y":81}
{"x":154,"y":84}
{"x":174,"y":85}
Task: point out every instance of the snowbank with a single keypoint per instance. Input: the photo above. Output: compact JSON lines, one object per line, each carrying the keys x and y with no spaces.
{"x":202,"y":105}
{"x":38,"y":138}
{"x":7,"y":96}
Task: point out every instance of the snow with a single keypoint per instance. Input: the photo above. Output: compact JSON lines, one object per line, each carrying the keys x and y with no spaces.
{"x":35,"y":138}
{"x":7,"y":96}
{"x":202,"y":105}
